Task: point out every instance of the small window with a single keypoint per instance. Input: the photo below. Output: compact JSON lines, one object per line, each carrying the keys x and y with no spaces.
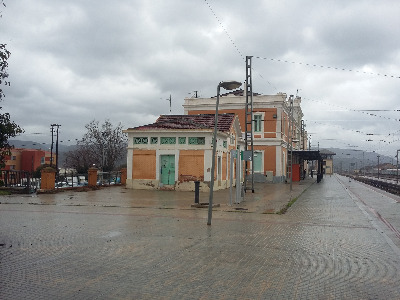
{"x":182,"y":140}
{"x":225,"y":144}
{"x":13,"y":157}
{"x":43,"y":160}
{"x":257,"y":123}
{"x":168,"y":140}
{"x":197,"y":141}
{"x":141,"y":140}
{"x":154,"y":140}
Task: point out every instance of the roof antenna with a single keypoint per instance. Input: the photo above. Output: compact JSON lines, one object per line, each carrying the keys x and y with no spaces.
{"x":170,"y":101}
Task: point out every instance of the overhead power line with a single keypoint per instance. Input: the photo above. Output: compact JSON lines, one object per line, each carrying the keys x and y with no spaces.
{"x":363,"y":111}
{"x":233,"y":42}
{"x":226,"y":31}
{"x":327,"y":67}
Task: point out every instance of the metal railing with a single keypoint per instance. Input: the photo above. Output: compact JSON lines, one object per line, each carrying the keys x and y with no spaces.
{"x":19,"y":180}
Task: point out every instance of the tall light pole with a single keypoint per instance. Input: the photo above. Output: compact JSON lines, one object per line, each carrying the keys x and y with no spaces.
{"x":227,"y":85}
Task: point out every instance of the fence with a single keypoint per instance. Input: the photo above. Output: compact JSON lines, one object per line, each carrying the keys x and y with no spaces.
{"x":72,"y":179}
{"x":21,"y":180}
{"x":108,"y":178}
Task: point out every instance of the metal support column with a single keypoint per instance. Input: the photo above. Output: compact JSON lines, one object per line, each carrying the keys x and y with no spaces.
{"x":249,"y":172}
{"x":289,"y":165}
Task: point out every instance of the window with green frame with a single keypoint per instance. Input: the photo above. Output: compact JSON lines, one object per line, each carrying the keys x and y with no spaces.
{"x":154,"y":140}
{"x":167,"y":140}
{"x":257,"y":123}
{"x":182,"y":140}
{"x":140,"y":140}
{"x":197,"y":140}
{"x":225,"y":144}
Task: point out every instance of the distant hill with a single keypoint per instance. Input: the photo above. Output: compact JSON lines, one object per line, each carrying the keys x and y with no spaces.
{"x":41,"y":146}
{"x":345,"y":157}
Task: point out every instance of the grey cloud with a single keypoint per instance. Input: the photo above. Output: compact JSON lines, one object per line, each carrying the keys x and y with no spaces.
{"x":78,"y":60}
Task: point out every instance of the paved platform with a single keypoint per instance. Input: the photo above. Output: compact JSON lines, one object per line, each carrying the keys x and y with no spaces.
{"x":339,"y":240}
{"x":267,"y":198}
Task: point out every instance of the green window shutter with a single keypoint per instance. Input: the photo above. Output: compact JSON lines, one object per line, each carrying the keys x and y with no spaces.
{"x":168,"y":140}
{"x":141,"y":140}
{"x":197,"y":141}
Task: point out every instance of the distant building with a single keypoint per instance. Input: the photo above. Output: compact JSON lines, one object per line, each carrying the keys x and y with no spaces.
{"x":327,"y":157}
{"x":176,"y":151}
{"x":27,"y":160}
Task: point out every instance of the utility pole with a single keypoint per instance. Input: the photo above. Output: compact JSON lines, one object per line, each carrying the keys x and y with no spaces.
{"x":378,"y":165}
{"x":363,"y":163}
{"x":51,"y":148}
{"x":303,"y":146}
{"x":397,"y":167}
{"x":52,"y":141}
{"x":248,"y":138}
{"x":289,"y":164}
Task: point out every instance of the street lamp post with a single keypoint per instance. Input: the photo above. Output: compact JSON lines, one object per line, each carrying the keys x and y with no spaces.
{"x":227,"y":85}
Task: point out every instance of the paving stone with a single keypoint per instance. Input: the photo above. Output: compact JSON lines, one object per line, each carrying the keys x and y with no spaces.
{"x":117,"y":244}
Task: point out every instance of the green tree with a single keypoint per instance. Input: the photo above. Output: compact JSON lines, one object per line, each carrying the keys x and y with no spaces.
{"x":8,"y":128}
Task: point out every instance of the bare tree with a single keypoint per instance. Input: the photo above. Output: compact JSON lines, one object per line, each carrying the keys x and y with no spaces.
{"x":79,"y":159}
{"x":102,"y":145}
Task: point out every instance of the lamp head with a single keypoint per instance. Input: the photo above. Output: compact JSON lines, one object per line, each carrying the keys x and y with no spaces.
{"x":230,"y":85}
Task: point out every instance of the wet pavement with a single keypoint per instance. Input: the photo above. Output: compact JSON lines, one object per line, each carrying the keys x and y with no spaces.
{"x":339,"y":240}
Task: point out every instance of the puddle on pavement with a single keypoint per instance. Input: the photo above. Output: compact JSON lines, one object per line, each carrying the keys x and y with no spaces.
{"x":112,"y":234}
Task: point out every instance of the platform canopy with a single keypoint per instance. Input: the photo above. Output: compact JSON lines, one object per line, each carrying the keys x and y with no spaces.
{"x":307,"y":155}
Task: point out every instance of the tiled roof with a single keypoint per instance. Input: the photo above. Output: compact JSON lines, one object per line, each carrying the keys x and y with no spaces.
{"x":203,"y":121}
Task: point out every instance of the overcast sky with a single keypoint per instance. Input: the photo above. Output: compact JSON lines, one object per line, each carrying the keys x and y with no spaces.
{"x":75,"y":61}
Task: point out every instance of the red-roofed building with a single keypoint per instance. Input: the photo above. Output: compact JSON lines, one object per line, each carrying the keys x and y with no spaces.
{"x":176,"y":151}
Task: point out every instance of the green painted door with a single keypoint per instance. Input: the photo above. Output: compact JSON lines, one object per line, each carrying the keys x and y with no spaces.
{"x":257,"y":162}
{"x":168,"y":169}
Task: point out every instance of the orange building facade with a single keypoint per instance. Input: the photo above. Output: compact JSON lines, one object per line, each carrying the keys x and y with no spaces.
{"x":176,"y":151}
{"x":27,"y":160}
{"x":271,"y":125}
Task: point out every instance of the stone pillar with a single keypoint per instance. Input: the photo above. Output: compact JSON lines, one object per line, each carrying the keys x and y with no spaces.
{"x":124,"y":172}
{"x":92,"y":177}
{"x":48,"y":179}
